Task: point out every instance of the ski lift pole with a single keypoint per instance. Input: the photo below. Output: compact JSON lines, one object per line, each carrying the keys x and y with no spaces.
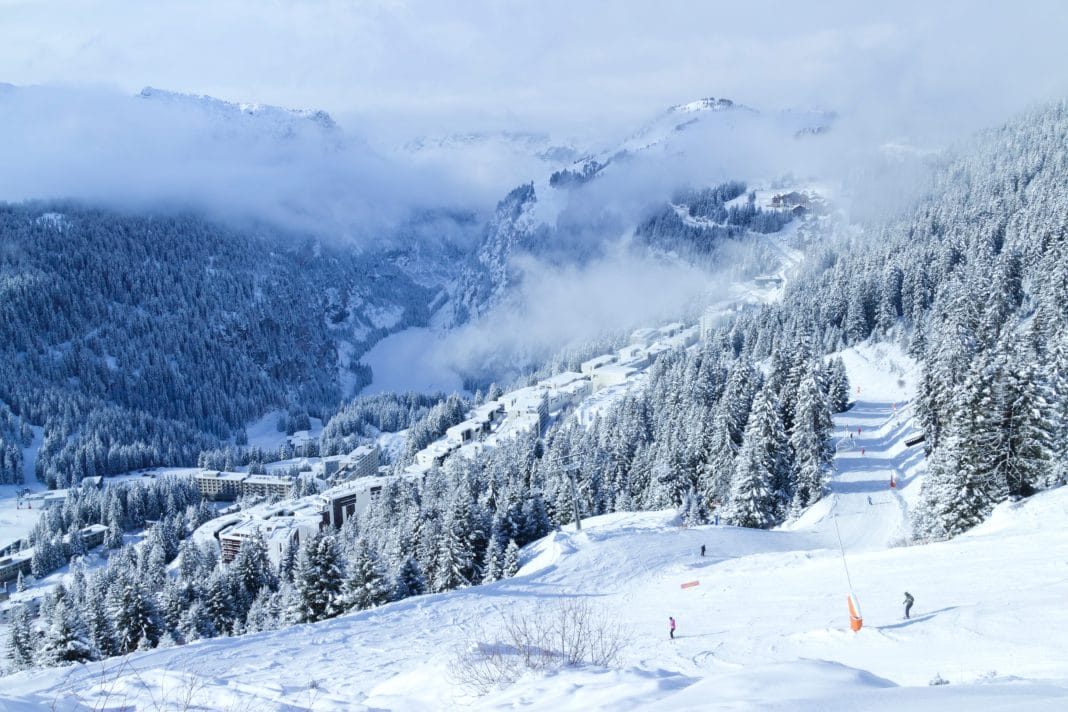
{"x":841,"y":548}
{"x":574,"y":499}
{"x":856,"y":620}
{"x":569,"y":465}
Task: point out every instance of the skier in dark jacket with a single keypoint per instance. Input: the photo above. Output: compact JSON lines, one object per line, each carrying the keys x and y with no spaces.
{"x":908,"y":603}
{"x":702,"y":550}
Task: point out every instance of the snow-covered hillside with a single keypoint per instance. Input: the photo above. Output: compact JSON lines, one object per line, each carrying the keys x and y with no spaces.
{"x":766,"y":626}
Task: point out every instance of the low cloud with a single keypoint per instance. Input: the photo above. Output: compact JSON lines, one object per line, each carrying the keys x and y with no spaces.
{"x":556,"y":307}
{"x":154,"y":150}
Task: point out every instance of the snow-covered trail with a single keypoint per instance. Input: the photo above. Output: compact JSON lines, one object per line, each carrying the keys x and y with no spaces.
{"x":870,"y":454}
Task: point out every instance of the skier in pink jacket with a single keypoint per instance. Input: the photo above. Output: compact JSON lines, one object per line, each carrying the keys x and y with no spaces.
{"x":671,"y":627}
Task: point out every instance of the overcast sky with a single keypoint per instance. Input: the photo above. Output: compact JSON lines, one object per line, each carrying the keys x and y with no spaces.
{"x":567,"y":66}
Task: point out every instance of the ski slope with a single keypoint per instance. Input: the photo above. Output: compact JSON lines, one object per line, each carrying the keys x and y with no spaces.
{"x":765,"y":627}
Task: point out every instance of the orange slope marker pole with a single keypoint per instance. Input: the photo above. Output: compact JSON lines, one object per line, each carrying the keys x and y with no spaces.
{"x":690,"y":584}
{"x":856,"y":622}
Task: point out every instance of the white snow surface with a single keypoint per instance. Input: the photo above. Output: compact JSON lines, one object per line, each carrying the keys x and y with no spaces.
{"x":766,"y":628}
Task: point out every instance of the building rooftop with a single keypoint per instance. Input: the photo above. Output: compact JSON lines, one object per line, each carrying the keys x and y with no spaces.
{"x":363,"y":451}
{"x":561,"y":380}
{"x":529,"y":398}
{"x":486,"y":411}
{"x":621,"y":370}
{"x":643,"y":334}
{"x":598,"y":362}
{"x":227,"y":476}
{"x":268,"y":480}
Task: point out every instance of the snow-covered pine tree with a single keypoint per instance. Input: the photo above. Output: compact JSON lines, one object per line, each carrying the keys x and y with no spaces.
{"x":318,"y":580}
{"x":837,"y":385}
{"x":1024,"y":433}
{"x":758,"y":480}
{"x":409,"y":581}
{"x":252,"y":567}
{"x":97,"y":618}
{"x":511,"y":560}
{"x":493,"y":561}
{"x":810,"y":443}
{"x":65,"y":641}
{"x":21,"y":639}
{"x":367,"y":585}
{"x":133,"y":614}
{"x":719,"y":460}
{"x":221,"y":602}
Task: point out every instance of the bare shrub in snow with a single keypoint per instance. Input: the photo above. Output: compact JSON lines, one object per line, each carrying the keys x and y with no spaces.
{"x":569,"y":633}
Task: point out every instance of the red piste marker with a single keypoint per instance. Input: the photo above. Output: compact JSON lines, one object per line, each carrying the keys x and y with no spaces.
{"x":690,"y":584}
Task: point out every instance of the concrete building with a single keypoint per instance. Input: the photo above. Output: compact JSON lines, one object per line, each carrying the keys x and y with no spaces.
{"x":532,"y":400}
{"x":564,"y":389}
{"x":643,"y":337}
{"x":670,"y":329}
{"x":435,"y":453}
{"x":277,"y":531}
{"x":711,"y":320}
{"x":588,"y":367}
{"x":352,"y":498}
{"x":267,"y":486}
{"x":612,"y":376}
{"x":10,"y":566}
{"x":633,"y":355}
{"x":44,"y":500}
{"x":488,"y":414}
{"x":361,"y":462}
{"x":355,"y":497}
{"x":220,"y":485}
{"x":465,"y":432}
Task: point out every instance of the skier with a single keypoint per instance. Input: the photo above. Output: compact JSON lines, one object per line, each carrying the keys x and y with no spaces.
{"x":671,"y":627}
{"x":908,"y":603}
{"x":702,"y":550}
{"x":869,"y":499}
{"x":715,"y":520}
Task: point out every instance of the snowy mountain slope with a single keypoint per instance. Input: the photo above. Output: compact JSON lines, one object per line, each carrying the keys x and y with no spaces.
{"x":650,"y":198}
{"x":765,"y":628}
{"x":280,"y":122}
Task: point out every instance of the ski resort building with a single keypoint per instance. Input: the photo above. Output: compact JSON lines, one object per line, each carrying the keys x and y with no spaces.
{"x":634,"y":355}
{"x":564,"y":389}
{"x":588,"y":367}
{"x":361,"y":462}
{"x":532,"y":400}
{"x":277,"y":531}
{"x":354,"y":498}
{"x":229,"y":486}
{"x":10,"y":566}
{"x":612,"y":375}
{"x":644,"y":337}
{"x":220,"y":485}
{"x":435,"y":453}
{"x":267,"y":486}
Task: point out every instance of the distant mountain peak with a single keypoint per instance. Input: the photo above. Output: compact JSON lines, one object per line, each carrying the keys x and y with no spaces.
{"x":707,"y":104}
{"x":278,"y":114}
